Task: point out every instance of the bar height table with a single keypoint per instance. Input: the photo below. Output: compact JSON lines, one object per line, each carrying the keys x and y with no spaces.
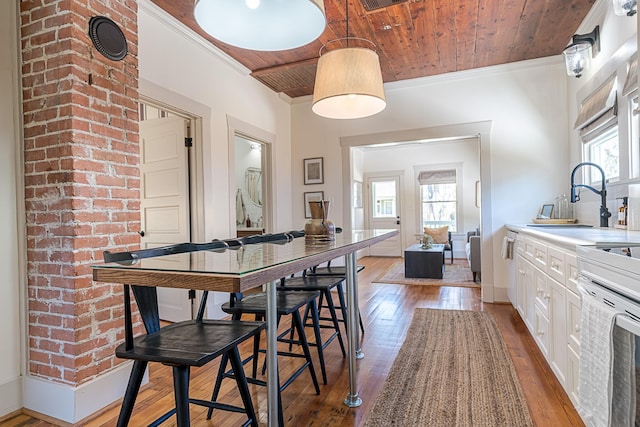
{"x":248,"y":267}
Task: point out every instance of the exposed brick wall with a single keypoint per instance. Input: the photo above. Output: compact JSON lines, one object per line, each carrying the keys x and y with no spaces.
{"x":81,"y":182}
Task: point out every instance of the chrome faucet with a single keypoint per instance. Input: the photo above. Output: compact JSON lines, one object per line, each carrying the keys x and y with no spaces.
{"x":604,"y":212}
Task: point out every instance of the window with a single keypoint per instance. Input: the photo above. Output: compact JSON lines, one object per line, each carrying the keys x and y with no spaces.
{"x":438,"y":199}
{"x":604,"y":151}
{"x":384,"y":199}
{"x":634,"y":135}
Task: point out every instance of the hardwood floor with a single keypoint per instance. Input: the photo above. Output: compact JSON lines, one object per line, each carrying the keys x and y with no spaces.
{"x":387,"y":311}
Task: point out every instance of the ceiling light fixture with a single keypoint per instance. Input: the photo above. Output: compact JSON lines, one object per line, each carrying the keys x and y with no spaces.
{"x":578,"y":54}
{"x":625,"y":7}
{"x":266,"y":25}
{"x":348,"y":79}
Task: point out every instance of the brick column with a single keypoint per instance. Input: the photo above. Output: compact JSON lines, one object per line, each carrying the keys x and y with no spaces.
{"x":81,"y":182}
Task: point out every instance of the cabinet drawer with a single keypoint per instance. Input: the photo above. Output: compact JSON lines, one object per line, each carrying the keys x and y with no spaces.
{"x":571,"y":272}
{"x":541,"y":323}
{"x":556,"y":265}
{"x":540,"y":255}
{"x":528,"y":248}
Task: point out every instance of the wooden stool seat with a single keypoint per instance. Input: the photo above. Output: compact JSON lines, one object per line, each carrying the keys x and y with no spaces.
{"x":190,"y":343}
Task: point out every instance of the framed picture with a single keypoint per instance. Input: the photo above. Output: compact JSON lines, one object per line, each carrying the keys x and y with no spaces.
{"x":311,"y":196}
{"x":313,"y":171}
{"x":546,"y":212}
{"x":357,"y":194}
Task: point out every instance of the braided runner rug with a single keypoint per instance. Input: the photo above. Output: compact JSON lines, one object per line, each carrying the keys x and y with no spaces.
{"x":452,"y":370}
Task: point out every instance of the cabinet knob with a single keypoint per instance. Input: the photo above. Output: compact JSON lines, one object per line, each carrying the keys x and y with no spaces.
{"x":576,"y":328}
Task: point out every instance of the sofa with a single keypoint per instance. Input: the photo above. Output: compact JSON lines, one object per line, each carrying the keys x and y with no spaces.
{"x":473,"y":252}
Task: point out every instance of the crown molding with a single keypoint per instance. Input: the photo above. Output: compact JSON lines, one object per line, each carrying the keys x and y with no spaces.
{"x":546,"y":62}
{"x":179,"y":28}
{"x":594,"y":17}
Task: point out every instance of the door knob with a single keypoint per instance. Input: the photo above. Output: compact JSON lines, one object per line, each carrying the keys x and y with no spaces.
{"x":141,"y":233}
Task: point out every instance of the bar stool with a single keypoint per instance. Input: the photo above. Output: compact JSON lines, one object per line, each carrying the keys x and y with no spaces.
{"x":288,"y":303}
{"x":336,"y":271}
{"x":324,"y":285}
{"x":182,"y":345}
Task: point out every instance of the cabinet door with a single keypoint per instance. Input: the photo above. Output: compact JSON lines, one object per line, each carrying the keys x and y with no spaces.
{"x":541,"y":324}
{"x":543,"y":293}
{"x":521,"y":290}
{"x":572,"y":376}
{"x":573,"y":321}
{"x":530,"y":290}
{"x":558,"y":330}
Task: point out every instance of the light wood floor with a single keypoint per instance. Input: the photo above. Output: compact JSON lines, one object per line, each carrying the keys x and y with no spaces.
{"x":387,"y":311}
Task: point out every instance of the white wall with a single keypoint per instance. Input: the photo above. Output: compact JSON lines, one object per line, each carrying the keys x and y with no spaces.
{"x":523,"y":164}
{"x":462,"y":154}
{"x":11,"y":229}
{"x":179,"y":61}
{"x":618,"y":40}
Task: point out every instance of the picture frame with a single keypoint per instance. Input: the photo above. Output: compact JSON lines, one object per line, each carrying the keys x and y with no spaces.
{"x":311,"y":196}
{"x":313,"y":171}
{"x":546,"y":212}
{"x":357,"y":194}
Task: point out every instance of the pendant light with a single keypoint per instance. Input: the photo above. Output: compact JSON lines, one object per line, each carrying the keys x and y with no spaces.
{"x":348,"y":79}
{"x":578,"y":54}
{"x":266,"y":25}
{"x":625,"y":7}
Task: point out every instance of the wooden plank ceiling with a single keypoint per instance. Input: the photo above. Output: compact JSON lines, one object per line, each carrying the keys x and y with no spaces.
{"x":416,"y":38}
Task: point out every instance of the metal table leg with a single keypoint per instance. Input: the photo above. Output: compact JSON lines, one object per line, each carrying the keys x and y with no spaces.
{"x":352,"y":400}
{"x":272,"y":356}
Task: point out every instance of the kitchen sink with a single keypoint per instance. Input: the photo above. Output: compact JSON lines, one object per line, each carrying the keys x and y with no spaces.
{"x":560,"y":225}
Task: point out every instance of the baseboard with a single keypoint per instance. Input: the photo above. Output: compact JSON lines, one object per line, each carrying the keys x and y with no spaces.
{"x":72,"y":404}
{"x":10,"y":396}
{"x":500,"y":294}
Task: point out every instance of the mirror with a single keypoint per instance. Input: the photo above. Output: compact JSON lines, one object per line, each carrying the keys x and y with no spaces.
{"x":249,"y":181}
{"x":253,"y":185}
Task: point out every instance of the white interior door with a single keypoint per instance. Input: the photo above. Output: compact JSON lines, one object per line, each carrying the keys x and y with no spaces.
{"x":164,"y":201}
{"x":383,"y":212}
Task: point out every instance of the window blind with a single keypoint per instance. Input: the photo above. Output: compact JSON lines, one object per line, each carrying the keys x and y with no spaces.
{"x":602,"y":103}
{"x":437,"y":177}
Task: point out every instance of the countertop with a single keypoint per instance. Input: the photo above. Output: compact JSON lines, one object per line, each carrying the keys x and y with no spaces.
{"x":570,"y":237}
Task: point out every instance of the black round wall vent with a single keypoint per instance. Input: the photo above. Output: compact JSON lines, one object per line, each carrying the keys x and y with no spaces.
{"x":108,"y":38}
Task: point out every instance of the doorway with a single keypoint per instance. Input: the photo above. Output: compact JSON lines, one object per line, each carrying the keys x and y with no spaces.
{"x":165,"y":213}
{"x":383,"y":211}
{"x":352,"y":168}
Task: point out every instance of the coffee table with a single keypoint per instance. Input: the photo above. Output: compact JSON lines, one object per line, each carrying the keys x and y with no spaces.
{"x":424,"y":263}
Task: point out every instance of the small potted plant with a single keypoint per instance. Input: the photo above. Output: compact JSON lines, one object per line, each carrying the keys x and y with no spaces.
{"x":427,"y":241}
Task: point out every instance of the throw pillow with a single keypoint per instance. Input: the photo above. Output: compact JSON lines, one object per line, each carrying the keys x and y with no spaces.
{"x":439,"y":235}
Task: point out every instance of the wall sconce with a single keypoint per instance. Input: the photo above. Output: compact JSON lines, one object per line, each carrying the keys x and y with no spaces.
{"x":625,"y":7}
{"x":578,"y":54}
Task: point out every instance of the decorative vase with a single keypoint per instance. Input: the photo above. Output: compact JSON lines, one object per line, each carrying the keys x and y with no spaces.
{"x":319,"y":230}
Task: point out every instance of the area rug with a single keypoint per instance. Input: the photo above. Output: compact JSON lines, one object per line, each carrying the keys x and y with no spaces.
{"x":456,"y":274}
{"x":452,"y":370}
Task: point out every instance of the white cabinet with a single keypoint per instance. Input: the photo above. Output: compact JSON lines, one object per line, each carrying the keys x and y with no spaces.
{"x":548,"y":301}
{"x":557,"y":318}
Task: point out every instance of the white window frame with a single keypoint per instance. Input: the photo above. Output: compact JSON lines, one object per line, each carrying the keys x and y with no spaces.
{"x":594,"y":176}
{"x":633,"y":117}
